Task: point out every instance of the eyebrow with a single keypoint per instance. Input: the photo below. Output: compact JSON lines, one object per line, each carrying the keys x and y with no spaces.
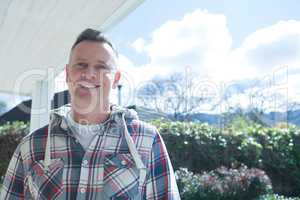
{"x":102,"y":62}
{"x":108,"y":66}
{"x":98,"y":61}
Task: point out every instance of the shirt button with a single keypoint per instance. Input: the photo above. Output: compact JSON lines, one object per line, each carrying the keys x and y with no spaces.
{"x":82,"y":190}
{"x":85,"y":162}
{"x":123,"y":162}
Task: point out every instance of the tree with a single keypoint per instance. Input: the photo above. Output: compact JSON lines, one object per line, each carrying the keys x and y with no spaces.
{"x":171,"y":95}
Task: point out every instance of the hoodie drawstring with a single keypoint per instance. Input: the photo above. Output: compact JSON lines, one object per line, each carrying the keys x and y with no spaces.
{"x":137,"y":159}
{"x":47,"y":158}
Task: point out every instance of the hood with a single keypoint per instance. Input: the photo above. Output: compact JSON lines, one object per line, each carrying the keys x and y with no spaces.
{"x":118,"y":114}
{"x":115,"y":115}
{"x":121,"y":116}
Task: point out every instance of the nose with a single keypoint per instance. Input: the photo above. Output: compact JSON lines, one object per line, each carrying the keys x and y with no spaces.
{"x":90,"y":73}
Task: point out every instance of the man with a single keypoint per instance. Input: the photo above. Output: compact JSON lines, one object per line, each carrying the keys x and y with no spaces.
{"x":91,"y":149}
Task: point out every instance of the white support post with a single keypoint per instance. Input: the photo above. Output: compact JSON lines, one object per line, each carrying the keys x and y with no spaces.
{"x":41,"y":103}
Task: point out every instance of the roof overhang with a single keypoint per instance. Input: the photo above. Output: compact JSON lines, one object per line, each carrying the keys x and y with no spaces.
{"x":36,"y":36}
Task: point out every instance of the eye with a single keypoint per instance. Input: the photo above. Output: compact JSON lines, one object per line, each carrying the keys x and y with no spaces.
{"x":80,"y":65}
{"x":101,"y":67}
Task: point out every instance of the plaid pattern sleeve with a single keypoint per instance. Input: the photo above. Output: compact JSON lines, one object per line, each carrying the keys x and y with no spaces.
{"x":106,"y":170}
{"x":161,"y":184}
{"x":12,"y":187}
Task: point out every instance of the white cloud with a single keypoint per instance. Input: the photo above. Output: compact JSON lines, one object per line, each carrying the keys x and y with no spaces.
{"x":139,"y":45}
{"x":293,"y":84}
{"x":271,"y":47}
{"x":196,"y":41}
{"x":135,"y":75}
{"x":272,"y":34}
{"x":274,"y":54}
{"x":202,"y":41}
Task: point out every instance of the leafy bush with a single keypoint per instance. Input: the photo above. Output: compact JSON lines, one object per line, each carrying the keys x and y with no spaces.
{"x":200,"y":147}
{"x":275,"y":197}
{"x":223,"y":184}
{"x":10,"y":136}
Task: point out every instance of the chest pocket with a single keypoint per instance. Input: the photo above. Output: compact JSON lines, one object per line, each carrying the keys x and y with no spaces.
{"x":120,"y":177}
{"x":44,"y":184}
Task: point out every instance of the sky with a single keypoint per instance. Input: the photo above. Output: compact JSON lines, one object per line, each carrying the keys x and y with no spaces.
{"x":223,"y":42}
{"x":228,"y":46}
{"x":242,"y":17}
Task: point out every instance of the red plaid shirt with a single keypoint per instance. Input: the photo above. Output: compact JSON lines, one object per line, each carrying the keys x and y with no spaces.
{"x":106,"y":170}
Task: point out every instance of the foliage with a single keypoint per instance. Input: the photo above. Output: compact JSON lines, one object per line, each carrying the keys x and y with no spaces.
{"x":200,"y":147}
{"x":10,"y":136}
{"x":224,"y":184}
{"x":276,"y":197}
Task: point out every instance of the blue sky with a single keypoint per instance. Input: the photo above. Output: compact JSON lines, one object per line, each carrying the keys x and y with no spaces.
{"x":223,"y":41}
{"x":243,"y":18}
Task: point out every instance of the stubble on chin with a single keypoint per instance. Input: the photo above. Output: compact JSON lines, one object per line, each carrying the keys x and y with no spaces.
{"x":89,"y":103}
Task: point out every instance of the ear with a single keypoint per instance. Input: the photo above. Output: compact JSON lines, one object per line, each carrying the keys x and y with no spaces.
{"x":117,"y":78}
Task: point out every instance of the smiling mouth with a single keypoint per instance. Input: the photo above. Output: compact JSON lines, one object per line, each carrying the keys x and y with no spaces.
{"x":88,"y":85}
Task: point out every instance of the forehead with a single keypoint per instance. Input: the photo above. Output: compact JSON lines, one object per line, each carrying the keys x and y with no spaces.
{"x":93,"y":50}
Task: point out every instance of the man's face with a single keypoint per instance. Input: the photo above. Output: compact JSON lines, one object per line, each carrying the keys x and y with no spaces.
{"x":91,"y":74}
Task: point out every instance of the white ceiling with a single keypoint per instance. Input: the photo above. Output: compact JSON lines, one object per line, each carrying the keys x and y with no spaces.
{"x":36,"y":35}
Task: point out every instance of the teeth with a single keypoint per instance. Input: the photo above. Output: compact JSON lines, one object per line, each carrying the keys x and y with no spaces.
{"x":87,"y":85}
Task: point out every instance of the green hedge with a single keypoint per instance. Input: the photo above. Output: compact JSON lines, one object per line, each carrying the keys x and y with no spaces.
{"x":10,"y":136}
{"x":276,"y":197}
{"x":200,"y":147}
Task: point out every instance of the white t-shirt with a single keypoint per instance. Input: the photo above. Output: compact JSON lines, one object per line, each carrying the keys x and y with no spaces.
{"x":84,"y":133}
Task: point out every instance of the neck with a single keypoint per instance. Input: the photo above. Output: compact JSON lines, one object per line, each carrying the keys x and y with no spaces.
{"x":95,"y":116}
